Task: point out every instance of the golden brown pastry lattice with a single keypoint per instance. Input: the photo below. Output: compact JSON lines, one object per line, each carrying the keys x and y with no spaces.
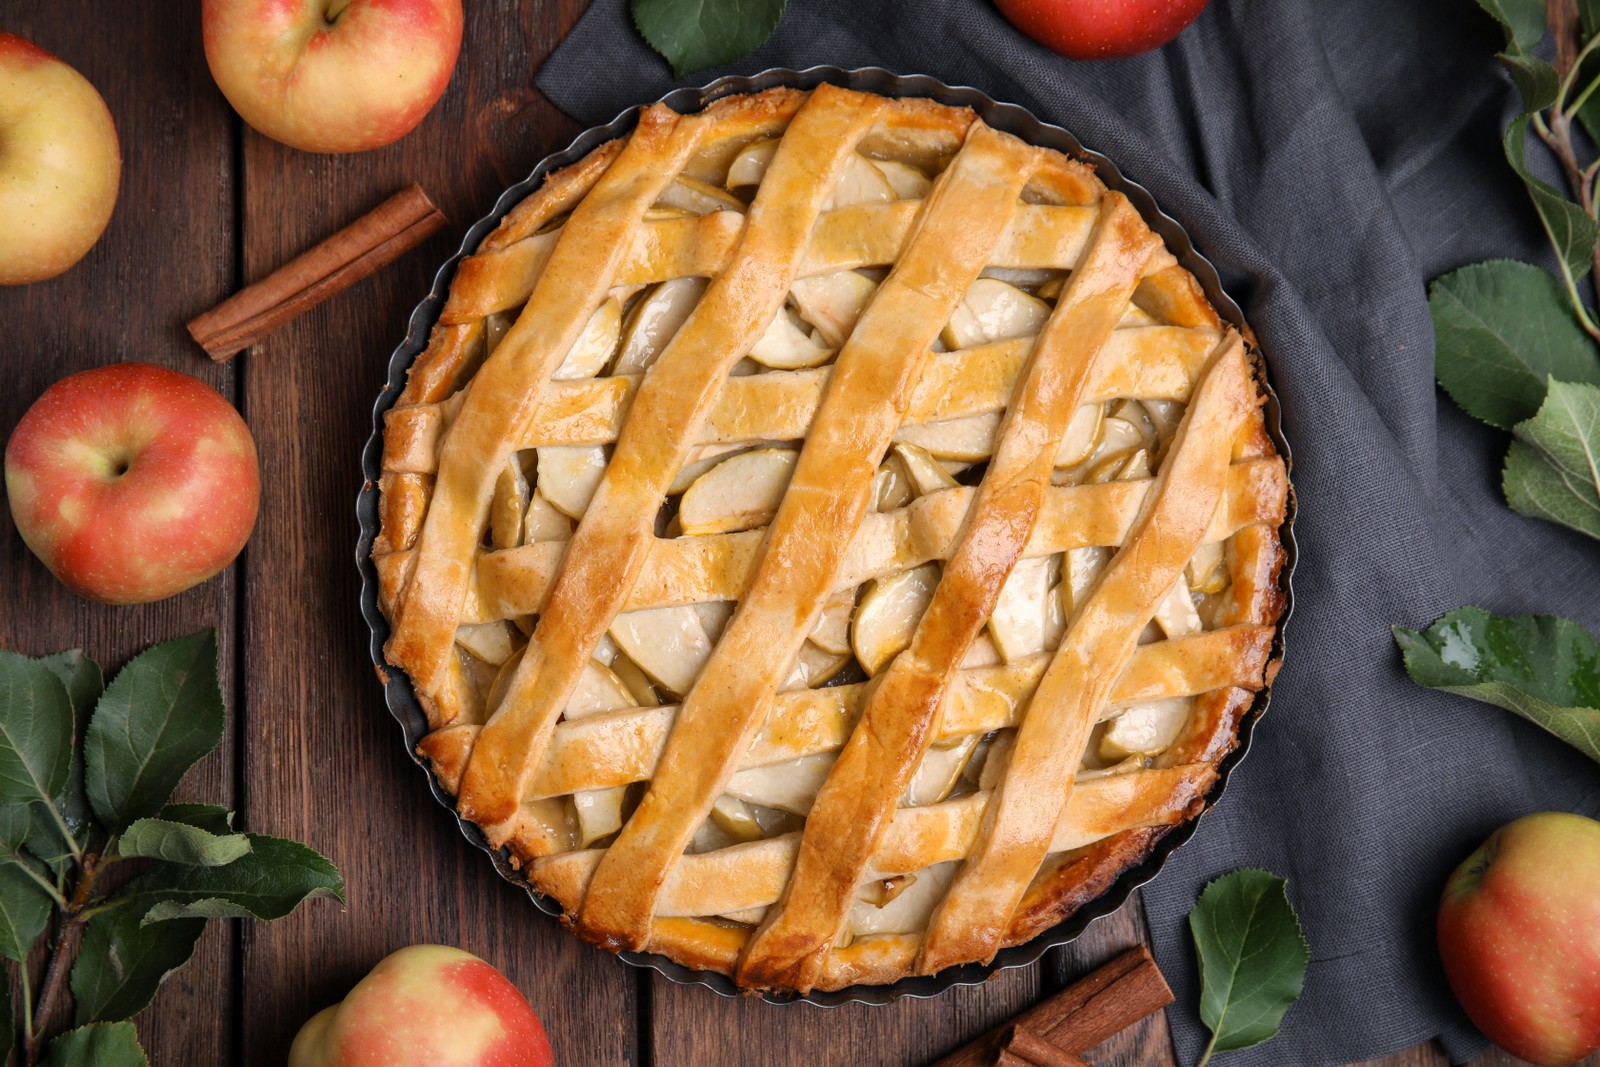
{"x":832,"y":539}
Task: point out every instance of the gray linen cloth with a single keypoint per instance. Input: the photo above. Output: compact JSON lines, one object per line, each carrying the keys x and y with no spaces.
{"x":1330,"y":159}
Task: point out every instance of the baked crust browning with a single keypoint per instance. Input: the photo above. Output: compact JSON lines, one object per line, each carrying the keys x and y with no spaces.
{"x":831,"y":539}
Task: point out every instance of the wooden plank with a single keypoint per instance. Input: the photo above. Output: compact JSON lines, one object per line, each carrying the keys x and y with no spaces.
{"x":691,"y":1025}
{"x":324,"y":761}
{"x":168,"y":251}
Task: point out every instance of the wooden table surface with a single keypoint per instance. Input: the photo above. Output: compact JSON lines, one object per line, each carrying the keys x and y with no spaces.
{"x":310,"y":752}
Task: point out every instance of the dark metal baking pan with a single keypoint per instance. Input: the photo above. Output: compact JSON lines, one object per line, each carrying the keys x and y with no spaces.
{"x":402,"y":700}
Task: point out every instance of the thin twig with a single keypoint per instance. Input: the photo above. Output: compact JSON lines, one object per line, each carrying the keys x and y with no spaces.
{"x":55,"y":971}
{"x":27,"y":1009}
{"x":61,"y":954}
{"x":85,"y":887}
{"x":1571,"y":76}
{"x":1559,"y":140}
{"x":1562,"y":18}
{"x":1573,"y":108}
{"x":1556,"y":133}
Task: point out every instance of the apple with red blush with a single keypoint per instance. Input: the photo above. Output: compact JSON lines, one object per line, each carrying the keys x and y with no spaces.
{"x":1519,"y":934}
{"x":60,"y":165}
{"x":426,"y":1006}
{"x":332,"y":75}
{"x":132,"y":482}
{"x":1101,"y":29}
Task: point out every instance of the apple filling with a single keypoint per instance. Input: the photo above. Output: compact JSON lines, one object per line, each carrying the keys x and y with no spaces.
{"x":651,"y":658}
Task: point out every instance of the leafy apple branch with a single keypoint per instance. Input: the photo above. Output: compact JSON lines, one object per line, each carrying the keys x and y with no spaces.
{"x":1516,"y":344}
{"x":1553,"y":124}
{"x":87,"y":771}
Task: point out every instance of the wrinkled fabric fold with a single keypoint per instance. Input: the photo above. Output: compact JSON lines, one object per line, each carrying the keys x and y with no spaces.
{"x":1330,"y":162}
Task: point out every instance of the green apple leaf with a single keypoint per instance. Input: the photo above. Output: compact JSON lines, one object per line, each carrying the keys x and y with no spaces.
{"x":100,"y":1045}
{"x":1542,"y":667}
{"x":1503,"y":329}
{"x":15,"y":822}
{"x":35,"y":757}
{"x":213,"y":818}
{"x":1569,"y":227}
{"x":35,"y":731}
{"x":1589,"y":17}
{"x":122,"y":962}
{"x":1523,"y":21}
{"x":1536,"y":80}
{"x":268,"y":882}
{"x":24,"y":909}
{"x":1253,"y":958}
{"x":695,"y":34}
{"x":1553,"y":469}
{"x":178,"y":842}
{"x":84,"y":683}
{"x":158,"y":717}
{"x":1588,"y":108}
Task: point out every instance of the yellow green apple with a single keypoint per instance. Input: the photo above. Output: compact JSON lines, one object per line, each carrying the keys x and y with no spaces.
{"x":332,"y":75}
{"x":426,"y":1006}
{"x":60,"y":166}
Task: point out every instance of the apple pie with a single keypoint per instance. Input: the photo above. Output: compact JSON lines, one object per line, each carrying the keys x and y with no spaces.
{"x":831,"y":538}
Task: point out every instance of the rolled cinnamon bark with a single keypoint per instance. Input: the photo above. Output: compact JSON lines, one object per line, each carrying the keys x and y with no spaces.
{"x":377,"y":238}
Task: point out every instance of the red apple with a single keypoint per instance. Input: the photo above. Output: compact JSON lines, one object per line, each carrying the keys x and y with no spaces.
{"x":59,"y":164}
{"x":132,"y":482}
{"x":1519,"y":931}
{"x":426,"y":1006}
{"x":1101,"y":29}
{"x":332,"y":75}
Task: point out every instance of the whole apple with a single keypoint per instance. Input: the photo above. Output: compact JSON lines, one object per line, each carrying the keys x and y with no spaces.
{"x":60,"y":166}
{"x":332,"y":75}
{"x":426,"y":1006}
{"x":1101,"y":29}
{"x":1519,"y":932}
{"x":132,"y":482}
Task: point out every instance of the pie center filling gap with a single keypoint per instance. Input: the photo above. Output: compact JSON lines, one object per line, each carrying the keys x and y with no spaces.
{"x":831,"y":539}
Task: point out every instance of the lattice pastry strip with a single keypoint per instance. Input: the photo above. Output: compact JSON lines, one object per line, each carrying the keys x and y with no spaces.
{"x":847,"y":823}
{"x":866,"y":400}
{"x":715,"y":567}
{"x":863,"y":235}
{"x":923,"y":403}
{"x":624,"y":745}
{"x":663,"y":417}
{"x":1145,"y":363}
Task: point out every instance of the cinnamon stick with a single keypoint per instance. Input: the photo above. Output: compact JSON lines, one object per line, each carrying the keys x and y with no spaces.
{"x":1009,"y":1058}
{"x":1104,"y":1002}
{"x":377,"y":238}
{"x":1026,"y":1047}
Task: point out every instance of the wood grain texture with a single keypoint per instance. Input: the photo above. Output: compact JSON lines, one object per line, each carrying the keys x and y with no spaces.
{"x":324,"y":760}
{"x":311,"y":752}
{"x":692,"y":1025}
{"x":170,"y":246}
